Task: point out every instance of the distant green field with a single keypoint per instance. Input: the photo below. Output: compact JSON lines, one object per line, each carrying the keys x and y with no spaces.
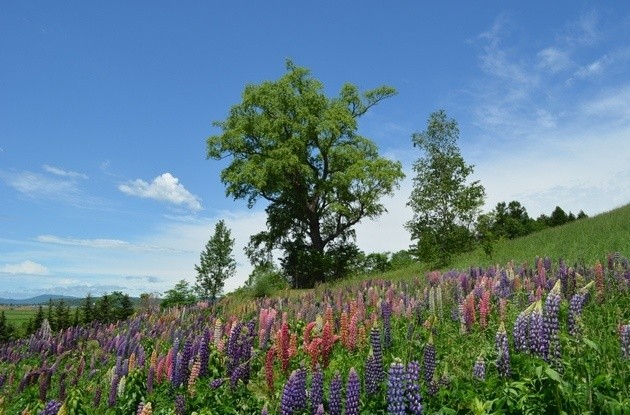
{"x":19,"y":316}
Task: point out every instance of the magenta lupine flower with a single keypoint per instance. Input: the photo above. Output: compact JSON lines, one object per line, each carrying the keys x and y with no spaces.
{"x":479,"y":369}
{"x":412,"y":393}
{"x":503,"y":352}
{"x":334,"y":398}
{"x":624,"y":336}
{"x":396,"y":388}
{"x":353,"y":391}
{"x":429,"y":360}
{"x":317,"y":389}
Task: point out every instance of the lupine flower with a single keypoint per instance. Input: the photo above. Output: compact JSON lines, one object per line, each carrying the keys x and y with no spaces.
{"x":503,"y":352}
{"x":624,"y":336}
{"x":334,"y":398}
{"x":375,"y":340}
{"x":147,"y":409}
{"x":353,"y":390}
{"x":264,"y":410}
{"x":469,"y":311}
{"x":320,"y":409}
{"x":479,"y":369}
{"x":551,"y":326}
{"x":317,"y":389}
{"x":521,"y":327}
{"x":180,"y":405}
{"x":575,"y":308}
{"x":289,"y":400}
{"x":372,"y":374}
{"x":412,"y":392}
{"x":51,"y":408}
{"x":484,"y":308}
{"x":429,"y":360}
{"x":396,"y":389}
{"x":536,"y":337}
{"x":269,"y":369}
{"x":386,"y":310}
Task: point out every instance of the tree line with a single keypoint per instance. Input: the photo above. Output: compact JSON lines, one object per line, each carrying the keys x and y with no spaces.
{"x":109,"y":308}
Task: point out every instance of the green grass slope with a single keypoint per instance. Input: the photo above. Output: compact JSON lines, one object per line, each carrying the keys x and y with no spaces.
{"x":586,"y":240}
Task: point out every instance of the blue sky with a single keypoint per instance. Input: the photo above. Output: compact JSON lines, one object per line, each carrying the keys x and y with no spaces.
{"x":105,"y":108}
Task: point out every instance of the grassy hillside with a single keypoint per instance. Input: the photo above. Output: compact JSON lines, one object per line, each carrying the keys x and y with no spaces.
{"x":586,"y":240}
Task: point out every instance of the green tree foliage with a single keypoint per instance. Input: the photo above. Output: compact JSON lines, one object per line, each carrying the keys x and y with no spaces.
{"x":88,"y":309}
{"x":104,"y":310}
{"x":216,"y":263}
{"x":445,"y":206}
{"x":7,"y":330}
{"x":125,"y":308}
{"x":180,"y":294}
{"x":558,"y":217}
{"x":299,"y":150}
{"x":62,"y":315}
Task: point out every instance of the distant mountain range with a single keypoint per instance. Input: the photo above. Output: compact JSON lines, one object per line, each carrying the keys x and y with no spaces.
{"x":40,"y":299}
{"x":44,"y":299}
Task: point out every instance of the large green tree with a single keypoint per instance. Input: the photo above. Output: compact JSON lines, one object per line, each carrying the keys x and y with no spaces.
{"x":216,"y":263}
{"x":299,"y":151}
{"x":445,"y":204}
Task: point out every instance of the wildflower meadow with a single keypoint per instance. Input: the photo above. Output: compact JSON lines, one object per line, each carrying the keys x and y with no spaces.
{"x":549,"y":337}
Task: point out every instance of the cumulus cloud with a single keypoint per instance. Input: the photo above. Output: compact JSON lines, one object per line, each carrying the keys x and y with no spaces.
{"x":64,"y":173}
{"x":26,"y":267}
{"x":165,"y":188}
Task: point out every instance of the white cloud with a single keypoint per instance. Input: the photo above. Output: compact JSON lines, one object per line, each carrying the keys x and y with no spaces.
{"x":100,"y":243}
{"x":37,"y":185}
{"x":26,"y":267}
{"x":164,"y":188}
{"x":64,"y":173}
{"x":554,"y":59}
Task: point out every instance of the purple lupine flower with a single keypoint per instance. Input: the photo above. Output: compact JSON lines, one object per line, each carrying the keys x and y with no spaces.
{"x":150,"y":379}
{"x":377,"y":351}
{"x":317,"y":389}
{"x":300,"y":389}
{"x":479,"y":369}
{"x":353,"y":390}
{"x":396,"y":389}
{"x":320,"y":409}
{"x":372,"y":374}
{"x":97,"y":397}
{"x":412,"y":393}
{"x":551,"y":326}
{"x":179,"y":371}
{"x":386,"y":311}
{"x":186,"y":360}
{"x":264,"y":410}
{"x":44,"y":384}
{"x":334,"y":398}
{"x":216,"y":383}
{"x":503,"y":352}
{"x":521,"y":327}
{"x":289,"y":399}
{"x":576,"y":305}
{"x":62,"y":387}
{"x":111,"y":401}
{"x":51,"y":408}
{"x":429,"y":360}
{"x":536,"y":337}
{"x":624,"y":336}
{"x":180,"y":405}
{"x":204,"y":356}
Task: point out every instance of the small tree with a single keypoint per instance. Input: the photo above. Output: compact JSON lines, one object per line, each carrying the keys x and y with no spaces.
{"x":445,"y":207}
{"x":181,"y":294}
{"x":88,"y":309}
{"x":104,"y":309}
{"x":125,"y":309}
{"x":216,"y":264}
